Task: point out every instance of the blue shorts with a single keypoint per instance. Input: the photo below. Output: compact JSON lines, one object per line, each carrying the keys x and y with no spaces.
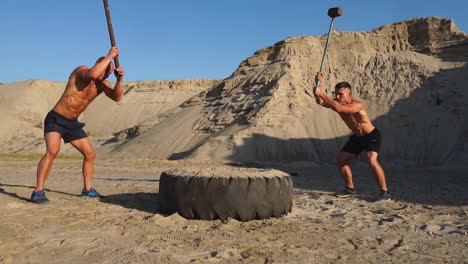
{"x":368,"y":142}
{"x":69,"y":129}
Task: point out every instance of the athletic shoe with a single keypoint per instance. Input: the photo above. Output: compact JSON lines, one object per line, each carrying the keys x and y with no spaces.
{"x":347,"y":192}
{"x":39,"y":197}
{"x":383,"y":196}
{"x":91,"y":193}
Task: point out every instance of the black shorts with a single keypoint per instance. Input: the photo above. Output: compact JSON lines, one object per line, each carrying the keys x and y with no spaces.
{"x":368,"y":142}
{"x":69,"y":129}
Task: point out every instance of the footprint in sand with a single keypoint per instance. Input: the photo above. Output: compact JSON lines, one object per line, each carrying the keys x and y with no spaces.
{"x":15,"y":205}
{"x":442,"y":229}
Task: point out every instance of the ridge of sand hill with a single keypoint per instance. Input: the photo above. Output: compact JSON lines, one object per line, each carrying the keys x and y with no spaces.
{"x":143,"y":101}
{"x":410,"y":74}
{"x":26,"y":103}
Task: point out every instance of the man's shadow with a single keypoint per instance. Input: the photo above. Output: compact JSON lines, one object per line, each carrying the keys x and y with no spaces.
{"x":16,"y":196}
{"x":147,"y":202}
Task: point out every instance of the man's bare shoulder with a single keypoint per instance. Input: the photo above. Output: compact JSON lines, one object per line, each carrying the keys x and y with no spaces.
{"x":357,"y":103}
{"x":80,"y":72}
{"x":81,"y":68}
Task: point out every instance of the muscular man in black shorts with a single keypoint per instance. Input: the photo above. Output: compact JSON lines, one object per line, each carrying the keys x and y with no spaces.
{"x":366,"y":136}
{"x":84,"y":85}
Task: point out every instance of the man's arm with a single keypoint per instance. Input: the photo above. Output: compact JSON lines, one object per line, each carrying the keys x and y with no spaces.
{"x":319,"y":99}
{"x":115,"y":93}
{"x":99,"y":68}
{"x":351,"y":108}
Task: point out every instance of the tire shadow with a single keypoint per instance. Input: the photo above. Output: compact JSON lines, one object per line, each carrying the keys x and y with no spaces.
{"x":146,"y":202}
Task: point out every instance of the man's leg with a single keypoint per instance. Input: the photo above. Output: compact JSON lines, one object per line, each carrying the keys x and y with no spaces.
{"x":84,"y":146}
{"x":53,"y":140}
{"x":343,"y":160}
{"x":377,"y":169}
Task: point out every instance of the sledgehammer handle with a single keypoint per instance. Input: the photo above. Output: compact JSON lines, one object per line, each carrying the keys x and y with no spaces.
{"x":326,"y":49}
{"x":111,"y":30}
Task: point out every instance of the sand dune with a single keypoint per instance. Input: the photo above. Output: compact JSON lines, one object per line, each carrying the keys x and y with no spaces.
{"x":410,"y":74}
{"x":26,"y":103}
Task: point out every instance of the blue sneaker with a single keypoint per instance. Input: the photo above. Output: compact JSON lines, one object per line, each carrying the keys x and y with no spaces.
{"x":347,"y":192}
{"x":384,"y":196}
{"x":91,"y":193}
{"x":39,"y":197}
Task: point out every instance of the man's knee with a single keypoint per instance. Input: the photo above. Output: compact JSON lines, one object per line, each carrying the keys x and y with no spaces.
{"x":371,"y":158}
{"x":52,"y":153}
{"x":341,"y":161}
{"x":344,"y":158}
{"x":90,"y":155}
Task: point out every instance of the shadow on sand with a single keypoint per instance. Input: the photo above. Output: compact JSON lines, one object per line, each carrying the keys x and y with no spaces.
{"x":14,"y":195}
{"x":146,"y":202}
{"x":424,"y":141}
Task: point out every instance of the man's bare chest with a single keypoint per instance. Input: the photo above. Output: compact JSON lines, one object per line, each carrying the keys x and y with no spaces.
{"x":88,"y":92}
{"x":353,"y":118}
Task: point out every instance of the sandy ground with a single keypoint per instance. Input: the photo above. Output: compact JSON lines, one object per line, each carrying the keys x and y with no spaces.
{"x":427,"y":225}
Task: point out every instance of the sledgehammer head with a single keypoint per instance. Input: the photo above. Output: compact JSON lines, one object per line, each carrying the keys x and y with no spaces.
{"x":335,"y":12}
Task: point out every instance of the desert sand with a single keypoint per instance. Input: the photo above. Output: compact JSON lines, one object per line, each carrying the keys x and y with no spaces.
{"x":429,"y":223}
{"x":412,"y":76}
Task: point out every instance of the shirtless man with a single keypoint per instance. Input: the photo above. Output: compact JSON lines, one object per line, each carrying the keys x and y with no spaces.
{"x":366,"y":136}
{"x":84,"y":85}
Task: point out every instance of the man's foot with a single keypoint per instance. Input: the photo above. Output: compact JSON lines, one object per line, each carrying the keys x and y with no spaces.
{"x":39,"y":197}
{"x":91,"y":193}
{"x":347,"y":192}
{"x":384,"y":196}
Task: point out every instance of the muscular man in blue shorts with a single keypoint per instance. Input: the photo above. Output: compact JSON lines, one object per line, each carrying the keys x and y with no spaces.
{"x":84,"y":85}
{"x":366,"y":137}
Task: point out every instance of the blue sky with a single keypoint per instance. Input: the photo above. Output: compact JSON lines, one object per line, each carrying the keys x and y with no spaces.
{"x":165,"y":40}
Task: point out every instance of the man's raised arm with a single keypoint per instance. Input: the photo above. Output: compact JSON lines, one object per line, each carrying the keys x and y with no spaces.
{"x":318,"y":99}
{"x":98,"y":70}
{"x":116,"y":93}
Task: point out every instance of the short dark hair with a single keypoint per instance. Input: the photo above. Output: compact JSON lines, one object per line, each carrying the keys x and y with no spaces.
{"x":343,"y":85}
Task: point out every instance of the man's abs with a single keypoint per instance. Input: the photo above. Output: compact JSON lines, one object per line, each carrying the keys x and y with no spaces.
{"x":70,"y":107}
{"x":362,"y":129}
{"x":73,"y":101}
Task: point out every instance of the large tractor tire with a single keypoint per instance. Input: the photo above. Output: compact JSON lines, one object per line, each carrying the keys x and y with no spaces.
{"x":226,"y":192}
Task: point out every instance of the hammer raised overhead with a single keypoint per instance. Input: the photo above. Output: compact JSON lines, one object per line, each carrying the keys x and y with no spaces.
{"x":332,"y":12}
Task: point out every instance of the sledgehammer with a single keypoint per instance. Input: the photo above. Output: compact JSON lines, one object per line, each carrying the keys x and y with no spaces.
{"x":332,"y":12}
{"x":111,"y":30}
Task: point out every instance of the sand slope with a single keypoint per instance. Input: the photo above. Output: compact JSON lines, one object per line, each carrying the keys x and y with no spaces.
{"x":23,"y":106}
{"x":26,"y":103}
{"x":410,"y":74}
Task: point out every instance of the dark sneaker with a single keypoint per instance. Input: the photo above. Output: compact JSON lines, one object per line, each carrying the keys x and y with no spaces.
{"x":91,"y":193}
{"x":347,"y":192}
{"x":384,"y":196}
{"x":39,"y":197}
